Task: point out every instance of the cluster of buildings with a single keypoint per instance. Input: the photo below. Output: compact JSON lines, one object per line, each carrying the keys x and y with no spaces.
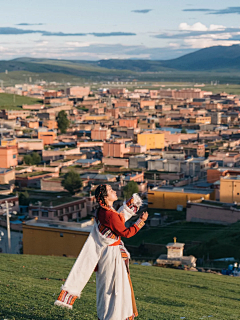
{"x":182,"y":148}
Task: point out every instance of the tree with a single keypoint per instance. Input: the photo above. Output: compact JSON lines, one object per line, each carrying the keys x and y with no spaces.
{"x":62,"y":121}
{"x":36,"y":158}
{"x":72,"y":182}
{"x":27,"y":159}
{"x":24,"y":198}
{"x":130,"y":189}
{"x":31,"y":159}
{"x":183,"y":130}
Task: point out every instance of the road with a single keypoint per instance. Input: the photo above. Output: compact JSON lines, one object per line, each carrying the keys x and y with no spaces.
{"x":16,"y":238}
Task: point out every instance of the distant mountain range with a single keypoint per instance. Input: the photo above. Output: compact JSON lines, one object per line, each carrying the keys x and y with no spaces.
{"x":219,"y":59}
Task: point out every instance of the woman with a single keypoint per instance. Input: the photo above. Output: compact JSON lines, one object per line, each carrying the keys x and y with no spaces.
{"x":105,"y":252}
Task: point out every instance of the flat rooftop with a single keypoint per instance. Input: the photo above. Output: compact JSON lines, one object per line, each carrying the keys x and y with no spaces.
{"x":84,"y":226}
{"x":181,"y":190}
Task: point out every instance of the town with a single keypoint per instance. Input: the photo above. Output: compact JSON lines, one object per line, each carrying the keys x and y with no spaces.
{"x":179,"y":149}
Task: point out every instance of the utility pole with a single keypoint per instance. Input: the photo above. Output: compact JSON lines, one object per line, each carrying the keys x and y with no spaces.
{"x":8,"y":227}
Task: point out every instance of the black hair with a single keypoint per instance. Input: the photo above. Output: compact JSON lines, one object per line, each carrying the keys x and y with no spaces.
{"x":101,"y":193}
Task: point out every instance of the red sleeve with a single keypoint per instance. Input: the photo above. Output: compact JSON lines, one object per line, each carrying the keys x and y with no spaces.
{"x":113,"y":221}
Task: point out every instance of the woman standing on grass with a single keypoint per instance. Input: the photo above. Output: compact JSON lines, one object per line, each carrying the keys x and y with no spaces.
{"x":105,"y":252}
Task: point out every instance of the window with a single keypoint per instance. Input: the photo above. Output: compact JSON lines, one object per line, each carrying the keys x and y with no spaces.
{"x":35,"y":213}
{"x":82,"y":205}
{"x":14,"y":156}
{"x":55,"y":214}
{"x":61,"y":235}
{"x":60,"y":211}
{"x":45,"y":214}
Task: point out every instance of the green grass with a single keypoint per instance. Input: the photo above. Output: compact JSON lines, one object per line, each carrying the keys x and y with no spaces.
{"x":33,"y":174}
{"x":13,"y":102}
{"x":29,"y":286}
{"x":215,"y":241}
{"x":184,"y":231}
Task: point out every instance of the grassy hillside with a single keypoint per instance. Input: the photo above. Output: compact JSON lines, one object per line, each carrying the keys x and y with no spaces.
{"x":11,"y":101}
{"x":216,"y":241}
{"x":205,"y":65}
{"x":29,"y":286}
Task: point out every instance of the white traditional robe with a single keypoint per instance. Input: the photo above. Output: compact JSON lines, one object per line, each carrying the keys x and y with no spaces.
{"x":114,"y":301}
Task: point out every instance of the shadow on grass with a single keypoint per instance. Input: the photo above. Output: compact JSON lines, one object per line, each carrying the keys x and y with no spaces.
{"x":165,"y":302}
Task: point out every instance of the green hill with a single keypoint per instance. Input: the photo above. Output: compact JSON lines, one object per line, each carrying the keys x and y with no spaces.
{"x":11,"y":101}
{"x":29,"y":286}
{"x":221,"y":63}
{"x":212,"y":240}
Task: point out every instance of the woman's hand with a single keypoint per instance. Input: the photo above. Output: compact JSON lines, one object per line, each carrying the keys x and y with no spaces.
{"x":144,"y":216}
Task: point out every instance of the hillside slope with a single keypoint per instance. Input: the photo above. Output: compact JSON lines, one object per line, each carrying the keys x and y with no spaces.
{"x":29,"y":286}
{"x":208,"y":59}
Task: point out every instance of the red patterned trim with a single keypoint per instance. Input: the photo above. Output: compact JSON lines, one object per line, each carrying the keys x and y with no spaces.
{"x":67,"y":298}
{"x":140,"y":223}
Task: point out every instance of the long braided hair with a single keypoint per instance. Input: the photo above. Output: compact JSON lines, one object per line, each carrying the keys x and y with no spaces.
{"x":100,"y":194}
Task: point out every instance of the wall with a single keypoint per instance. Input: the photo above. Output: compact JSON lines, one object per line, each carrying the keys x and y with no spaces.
{"x":47,"y":241}
{"x":130,"y":123}
{"x":30,"y":144}
{"x":151,"y":140}
{"x":8,"y":157}
{"x":210,"y":214}
{"x":116,"y":162}
{"x":170,"y":200}
{"x":7,"y":177}
{"x":229,"y":190}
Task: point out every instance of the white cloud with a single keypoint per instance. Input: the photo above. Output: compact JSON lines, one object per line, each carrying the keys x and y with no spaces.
{"x":199,"y":43}
{"x":198,"y":26}
{"x":77,"y":44}
{"x":215,"y":27}
{"x":174,"y":45}
{"x":41,"y":43}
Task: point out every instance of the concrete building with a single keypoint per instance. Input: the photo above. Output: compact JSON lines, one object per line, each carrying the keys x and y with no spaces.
{"x":44,"y":237}
{"x":212,"y":212}
{"x":59,"y":153}
{"x":151,"y":140}
{"x":216,"y":118}
{"x":114,"y":149}
{"x":48,"y":137}
{"x":215,"y":174}
{"x":136,"y":148}
{"x":8,"y":153}
{"x":147,"y":104}
{"x":60,"y":209}
{"x":101,"y":134}
{"x":78,"y":91}
{"x":171,"y":198}
{"x":7,"y":176}
{"x":191,"y":149}
{"x":190,"y":167}
{"x":230,"y":189}
{"x":25,"y":145}
{"x":139,"y":161}
{"x":200,"y":120}
{"x":130,"y":123}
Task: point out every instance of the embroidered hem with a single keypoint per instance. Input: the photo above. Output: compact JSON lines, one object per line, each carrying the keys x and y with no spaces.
{"x":65,"y":299}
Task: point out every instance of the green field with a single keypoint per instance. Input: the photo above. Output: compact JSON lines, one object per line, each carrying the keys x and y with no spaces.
{"x":13,"y":102}
{"x":29,"y":286}
{"x":216,"y":241}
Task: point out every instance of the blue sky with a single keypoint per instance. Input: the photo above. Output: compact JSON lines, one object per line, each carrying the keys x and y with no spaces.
{"x":108,"y":29}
